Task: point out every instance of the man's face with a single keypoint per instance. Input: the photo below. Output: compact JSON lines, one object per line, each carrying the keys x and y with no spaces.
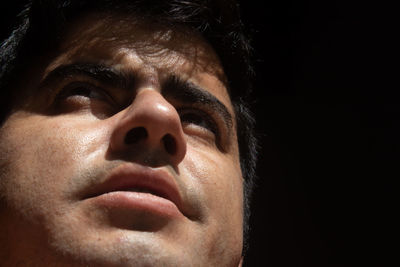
{"x":122,"y":152}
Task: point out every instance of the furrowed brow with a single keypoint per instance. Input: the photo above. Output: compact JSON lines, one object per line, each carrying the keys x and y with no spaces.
{"x":190,"y":93}
{"x":104,"y":74}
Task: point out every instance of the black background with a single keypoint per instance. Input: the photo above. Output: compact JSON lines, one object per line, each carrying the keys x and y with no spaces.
{"x":327,"y":110}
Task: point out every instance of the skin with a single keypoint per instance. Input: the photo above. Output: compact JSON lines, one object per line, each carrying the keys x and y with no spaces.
{"x":58,"y":143}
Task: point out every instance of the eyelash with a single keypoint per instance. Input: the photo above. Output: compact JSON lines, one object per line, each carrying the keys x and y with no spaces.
{"x":199,"y":118}
{"x":84,"y":89}
{"x":188,"y":115}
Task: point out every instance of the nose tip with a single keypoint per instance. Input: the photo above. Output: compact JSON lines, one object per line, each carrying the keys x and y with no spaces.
{"x":154,"y":124}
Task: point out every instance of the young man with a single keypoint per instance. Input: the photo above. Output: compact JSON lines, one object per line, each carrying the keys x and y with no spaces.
{"x":124,"y":139}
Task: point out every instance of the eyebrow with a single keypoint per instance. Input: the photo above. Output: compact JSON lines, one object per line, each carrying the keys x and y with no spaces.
{"x":175,"y":87}
{"x":102,"y":73}
{"x":187,"y":92}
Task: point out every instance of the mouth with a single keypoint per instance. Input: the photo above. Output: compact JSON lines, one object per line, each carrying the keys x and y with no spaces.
{"x":137,"y":188}
{"x":141,"y":190}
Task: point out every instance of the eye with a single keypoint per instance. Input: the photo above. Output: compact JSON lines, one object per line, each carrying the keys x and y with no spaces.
{"x":198,"y":118}
{"x":81,"y":96}
{"x":79,"y":89}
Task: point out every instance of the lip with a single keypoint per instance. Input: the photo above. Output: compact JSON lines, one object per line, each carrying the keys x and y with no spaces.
{"x":134,"y":187}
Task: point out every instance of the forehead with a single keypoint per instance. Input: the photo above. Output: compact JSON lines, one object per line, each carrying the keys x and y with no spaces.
{"x":143,"y":48}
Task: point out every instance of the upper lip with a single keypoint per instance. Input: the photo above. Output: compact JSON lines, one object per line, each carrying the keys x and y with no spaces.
{"x":131,"y":177}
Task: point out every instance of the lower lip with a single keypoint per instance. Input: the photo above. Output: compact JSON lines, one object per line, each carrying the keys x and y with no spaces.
{"x":138,"y":201}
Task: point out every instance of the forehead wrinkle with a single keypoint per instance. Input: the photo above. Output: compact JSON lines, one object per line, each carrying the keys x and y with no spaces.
{"x":102,"y":32}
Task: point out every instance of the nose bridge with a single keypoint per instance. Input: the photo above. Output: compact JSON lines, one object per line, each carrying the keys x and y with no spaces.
{"x":152,"y":122}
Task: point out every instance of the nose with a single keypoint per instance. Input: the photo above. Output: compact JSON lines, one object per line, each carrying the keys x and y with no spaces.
{"x":150,"y":127}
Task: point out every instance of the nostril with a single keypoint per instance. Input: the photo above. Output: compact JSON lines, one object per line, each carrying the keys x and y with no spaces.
{"x":169,"y":144}
{"x":135,"y":135}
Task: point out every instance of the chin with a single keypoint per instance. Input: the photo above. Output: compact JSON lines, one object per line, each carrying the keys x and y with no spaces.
{"x":118,"y":247}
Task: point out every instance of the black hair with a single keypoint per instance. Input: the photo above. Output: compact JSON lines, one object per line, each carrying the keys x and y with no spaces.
{"x":218,"y":21}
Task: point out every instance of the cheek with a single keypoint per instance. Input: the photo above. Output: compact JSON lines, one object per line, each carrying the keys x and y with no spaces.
{"x":217,"y":175}
{"x":38,"y":158}
{"x":217,"y":181}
